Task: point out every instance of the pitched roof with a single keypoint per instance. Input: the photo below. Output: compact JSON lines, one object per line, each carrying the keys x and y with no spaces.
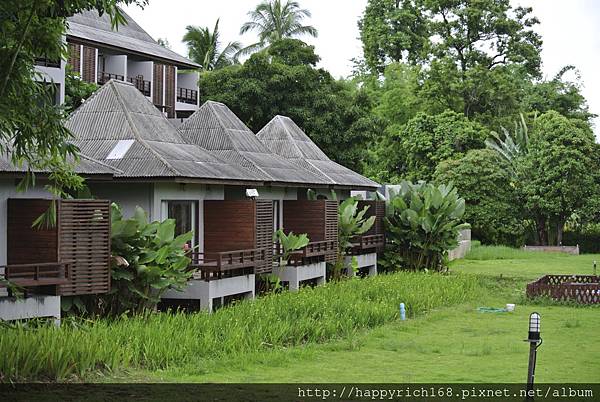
{"x":84,"y":166}
{"x":119,"y":126}
{"x":90,"y":26}
{"x":216,"y":128}
{"x":283,"y":137}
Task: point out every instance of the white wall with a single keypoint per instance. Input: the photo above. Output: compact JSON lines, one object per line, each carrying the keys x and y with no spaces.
{"x":126,"y":195}
{"x":8,"y":190}
{"x":115,"y":64}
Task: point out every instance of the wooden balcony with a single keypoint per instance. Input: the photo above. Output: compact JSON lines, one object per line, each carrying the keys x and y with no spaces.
{"x":212,"y":266}
{"x":46,"y":62}
{"x":104,"y":77}
{"x":314,"y":252}
{"x":141,"y":84}
{"x":185,"y":95}
{"x":367,"y":244}
{"x":40,"y":274}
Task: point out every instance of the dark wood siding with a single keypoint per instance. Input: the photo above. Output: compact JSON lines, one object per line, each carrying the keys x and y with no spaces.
{"x":26,"y":245}
{"x":229,"y":225}
{"x":331,"y":226}
{"x":170,"y":90}
{"x":158,"y":84}
{"x":89,"y":64}
{"x":264,"y":233}
{"x":84,"y":239}
{"x":81,"y":238}
{"x":376,"y":208}
{"x":74,"y":59}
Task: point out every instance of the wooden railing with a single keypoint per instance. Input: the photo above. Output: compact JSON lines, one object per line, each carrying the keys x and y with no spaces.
{"x":46,"y":62}
{"x":185,"y":95}
{"x":370,"y":243}
{"x":103,"y":77}
{"x":212,"y":266}
{"x":583,"y":289}
{"x":39,"y":274}
{"x":141,"y":84}
{"x":313,"y":252}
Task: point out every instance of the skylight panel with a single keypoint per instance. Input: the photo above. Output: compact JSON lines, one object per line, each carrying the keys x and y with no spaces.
{"x":120,"y":149}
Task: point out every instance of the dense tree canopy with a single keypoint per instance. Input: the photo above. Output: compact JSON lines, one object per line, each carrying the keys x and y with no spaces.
{"x":283,"y":80}
{"x":556,"y":174}
{"x":490,"y":194}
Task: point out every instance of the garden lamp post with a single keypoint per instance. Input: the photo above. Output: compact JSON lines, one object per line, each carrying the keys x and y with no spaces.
{"x":535,"y":341}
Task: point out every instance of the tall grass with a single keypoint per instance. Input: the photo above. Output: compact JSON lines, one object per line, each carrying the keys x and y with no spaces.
{"x":164,"y":340}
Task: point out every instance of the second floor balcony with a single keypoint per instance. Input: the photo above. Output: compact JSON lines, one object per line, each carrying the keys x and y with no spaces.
{"x":144,"y":86}
{"x":185,"y":95}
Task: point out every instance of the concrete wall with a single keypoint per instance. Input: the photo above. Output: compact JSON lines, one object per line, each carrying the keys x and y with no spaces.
{"x":115,"y":64}
{"x":8,"y":190}
{"x":57,"y":77}
{"x":464,"y":245}
{"x":126,"y":195}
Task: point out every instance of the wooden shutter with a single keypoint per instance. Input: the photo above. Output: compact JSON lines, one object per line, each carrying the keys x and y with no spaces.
{"x":84,"y":239}
{"x":74,"y":59}
{"x":89,"y":64}
{"x":264,"y":233}
{"x":331,"y":226}
{"x":170,"y":90}
{"x":157,"y":95}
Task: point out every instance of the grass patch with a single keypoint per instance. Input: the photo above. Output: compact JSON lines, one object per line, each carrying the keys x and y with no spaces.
{"x":479,"y":252}
{"x":163,"y":341}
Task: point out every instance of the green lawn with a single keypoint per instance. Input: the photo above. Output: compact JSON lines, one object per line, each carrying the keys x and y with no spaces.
{"x":450,"y":344}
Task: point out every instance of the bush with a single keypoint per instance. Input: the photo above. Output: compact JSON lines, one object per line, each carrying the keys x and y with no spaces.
{"x":161,"y":340}
{"x":588,"y":239}
{"x":422,"y":224}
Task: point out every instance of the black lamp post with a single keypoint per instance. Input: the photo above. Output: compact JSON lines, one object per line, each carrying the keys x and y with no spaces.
{"x":535,"y":341}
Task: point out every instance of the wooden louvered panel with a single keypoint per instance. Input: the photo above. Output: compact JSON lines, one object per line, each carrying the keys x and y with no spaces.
{"x":88,"y":72}
{"x":264,"y":233}
{"x":158,"y":84}
{"x":331,"y":227}
{"x":170,"y":74}
{"x":305,"y":216}
{"x":84,"y":241}
{"x":74,"y":59}
{"x":228,"y":225}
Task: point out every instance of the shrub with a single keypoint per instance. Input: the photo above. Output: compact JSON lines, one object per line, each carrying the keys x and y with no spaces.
{"x":587,"y":237}
{"x":423,"y":222}
{"x":147,"y":260}
{"x":162,"y":340}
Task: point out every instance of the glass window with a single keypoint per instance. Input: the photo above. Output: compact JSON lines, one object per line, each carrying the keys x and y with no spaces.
{"x":184,"y":213}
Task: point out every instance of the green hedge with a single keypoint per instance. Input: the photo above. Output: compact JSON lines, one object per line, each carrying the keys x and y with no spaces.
{"x":589,"y":240}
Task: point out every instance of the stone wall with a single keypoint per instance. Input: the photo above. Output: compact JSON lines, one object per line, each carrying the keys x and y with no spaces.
{"x":464,"y":245}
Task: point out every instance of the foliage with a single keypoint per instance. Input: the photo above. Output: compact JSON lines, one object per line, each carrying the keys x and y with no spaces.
{"x":76,"y":90}
{"x":335,"y":114}
{"x":274,"y":20}
{"x":423,"y":222}
{"x":159,"y":341}
{"x":413,"y":150}
{"x":351,"y":222}
{"x":555,"y":174}
{"x":31,"y":125}
{"x":290,"y":242}
{"x":490,"y":194}
{"x":473,"y":51}
{"x":587,"y":237}
{"x":204,"y":47}
{"x":147,"y":260}
{"x":511,"y":145}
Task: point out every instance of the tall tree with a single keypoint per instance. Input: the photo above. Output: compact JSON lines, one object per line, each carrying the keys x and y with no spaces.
{"x":474,"y":50}
{"x":204,"y":47}
{"x":31,"y":125}
{"x":274,"y":20}
{"x":284,"y":80}
{"x":556,"y":174}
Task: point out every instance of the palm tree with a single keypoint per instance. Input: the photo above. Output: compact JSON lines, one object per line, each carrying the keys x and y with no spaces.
{"x":274,"y":21}
{"x":204,"y":47}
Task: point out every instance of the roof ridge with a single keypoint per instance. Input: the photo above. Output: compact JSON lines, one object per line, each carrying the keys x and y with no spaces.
{"x":114,"y":169}
{"x":137,"y":134}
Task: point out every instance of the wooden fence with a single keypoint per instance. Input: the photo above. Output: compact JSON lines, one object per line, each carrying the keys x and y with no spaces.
{"x":584,"y":289}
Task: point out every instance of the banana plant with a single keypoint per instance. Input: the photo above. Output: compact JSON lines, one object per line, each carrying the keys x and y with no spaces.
{"x":290,"y":243}
{"x":423,"y":222}
{"x":351,"y":222}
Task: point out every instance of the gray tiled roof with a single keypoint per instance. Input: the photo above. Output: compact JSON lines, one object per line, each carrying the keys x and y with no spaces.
{"x":89,"y":26}
{"x":119,"y":112}
{"x":216,"y":128}
{"x":84,"y":166}
{"x":283,"y":137}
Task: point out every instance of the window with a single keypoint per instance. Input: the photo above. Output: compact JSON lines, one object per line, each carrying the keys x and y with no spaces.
{"x":119,"y":151}
{"x":185,"y":215}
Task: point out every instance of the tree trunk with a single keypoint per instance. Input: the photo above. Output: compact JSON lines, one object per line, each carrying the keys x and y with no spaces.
{"x":542,"y":233}
{"x":560,"y":225}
